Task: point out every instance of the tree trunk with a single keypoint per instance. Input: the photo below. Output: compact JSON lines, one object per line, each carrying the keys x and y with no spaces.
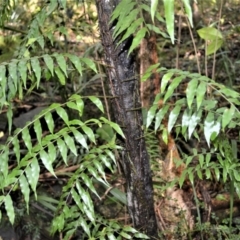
{"x":124,"y":87}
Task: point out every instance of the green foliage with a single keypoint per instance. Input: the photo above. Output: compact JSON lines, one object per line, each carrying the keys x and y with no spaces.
{"x":196,"y":113}
{"x":212,"y":35}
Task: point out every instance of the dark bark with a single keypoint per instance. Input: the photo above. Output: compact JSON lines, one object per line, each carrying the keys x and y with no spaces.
{"x":126,"y":103}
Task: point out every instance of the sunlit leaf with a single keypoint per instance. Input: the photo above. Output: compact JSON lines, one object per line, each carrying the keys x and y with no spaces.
{"x":70,"y":143}
{"x":193,"y":121}
{"x":154,"y":4}
{"x":165,"y":80}
{"x":46,"y":160}
{"x":185,"y":120}
{"x":201,"y":90}
{"x":79,"y":137}
{"x":208,"y":127}
{"x":32,"y":173}
{"x":151,"y":115}
{"x":169,"y":16}
{"x":173,"y":117}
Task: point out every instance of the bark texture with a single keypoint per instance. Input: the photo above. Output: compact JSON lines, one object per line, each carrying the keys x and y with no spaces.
{"x":126,"y":103}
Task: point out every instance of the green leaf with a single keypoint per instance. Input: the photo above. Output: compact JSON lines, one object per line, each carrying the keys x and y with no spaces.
{"x":25,"y":190}
{"x":125,"y":235}
{"x":61,"y":63}
{"x":173,"y":117}
{"x":95,"y":174}
{"x":9,"y":208}
{"x":214,"y":46}
{"x":52,"y":152}
{"x":36,"y":68}
{"x":229,"y":92}
{"x":97,"y":102}
{"x":227,"y":116}
{"x":115,"y":126}
{"x":76,"y":198}
{"x":118,"y":11}
{"x":165,"y":80}
{"x":85,"y":227}
{"x":208,"y":127}
{"x":129,"y":229}
{"x":137,"y":39}
{"x":79,"y":137}
{"x":49,"y":121}
{"x":128,"y":20}
{"x":70,"y":143}
{"x":141,"y":236}
{"x":63,"y":149}
{"x":62,"y":114}
{"x":169,"y":16}
{"x":159,"y":116}
{"x":49,"y":62}
{"x":133,"y":27}
{"x":27,"y":139}
{"x":151,"y":114}
{"x":10,"y":116}
{"x":89,"y":63}
{"x":175,"y":82}
{"x":193,"y":121}
{"x":47,"y":162}
{"x":32,"y":173}
{"x":185,"y":120}
{"x":40,"y":40}
{"x":16,"y":148}
{"x":85,"y":196}
{"x":76,"y":62}
{"x":12,"y":68}
{"x":3,"y":81}
{"x":89,"y":133}
{"x":38,"y":130}
{"x":209,"y":33}
{"x":60,"y":76}
{"x":191,"y":90}
{"x":4,"y":161}
{"x":89,"y":183}
{"x":188,"y":10}
{"x":154,"y":4}
{"x":201,"y":90}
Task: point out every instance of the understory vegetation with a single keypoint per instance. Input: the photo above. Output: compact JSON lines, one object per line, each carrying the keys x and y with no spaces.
{"x":61,"y":151}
